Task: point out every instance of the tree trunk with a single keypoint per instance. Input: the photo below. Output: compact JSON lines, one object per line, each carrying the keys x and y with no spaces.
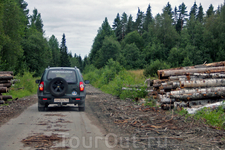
{"x":202,"y":83}
{"x":181,"y":78}
{"x":203,"y":90}
{"x":4,"y":81}
{"x":165,"y":99}
{"x":6,"y":85}
{"x":167,"y":73}
{"x":216,"y":64}
{"x":6,"y":72}
{"x":198,"y":96}
{"x":3,"y":90}
{"x":5,"y":97}
{"x":6,"y":77}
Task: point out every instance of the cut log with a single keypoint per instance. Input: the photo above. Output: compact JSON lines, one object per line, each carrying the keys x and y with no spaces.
{"x":6,"y":85}
{"x":183,"y":77}
{"x":169,"y":86}
{"x":6,"y":77}
{"x":3,"y":90}
{"x":198,"y":90}
{"x":167,"y":73}
{"x":5,"y":97}
{"x":4,"y":81}
{"x":6,"y":72}
{"x":165,"y":99}
{"x":216,"y":64}
{"x":202,"y":83}
{"x":159,"y":81}
{"x":160,"y":72}
{"x":2,"y":102}
{"x":167,"y":106}
{"x":194,"y":96}
{"x":209,"y":75}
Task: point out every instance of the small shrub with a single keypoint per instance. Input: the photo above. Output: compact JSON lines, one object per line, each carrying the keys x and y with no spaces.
{"x":151,"y":70}
{"x":212,"y":117}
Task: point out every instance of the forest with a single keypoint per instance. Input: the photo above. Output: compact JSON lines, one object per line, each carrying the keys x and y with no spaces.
{"x":173,"y":38}
{"x":23,"y":45}
{"x":176,"y":37}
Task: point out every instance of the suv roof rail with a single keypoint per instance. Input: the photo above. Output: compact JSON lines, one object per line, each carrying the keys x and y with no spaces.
{"x":75,"y":67}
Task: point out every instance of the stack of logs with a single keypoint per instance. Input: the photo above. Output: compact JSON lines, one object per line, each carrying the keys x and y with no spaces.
{"x":191,"y":85}
{"x":5,"y":83}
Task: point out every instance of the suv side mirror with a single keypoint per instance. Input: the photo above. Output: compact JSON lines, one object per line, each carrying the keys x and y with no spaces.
{"x":38,"y":81}
{"x":87,"y":82}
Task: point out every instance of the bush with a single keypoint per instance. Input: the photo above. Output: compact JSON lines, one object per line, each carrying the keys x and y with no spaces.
{"x":25,"y":87}
{"x":151,"y":70}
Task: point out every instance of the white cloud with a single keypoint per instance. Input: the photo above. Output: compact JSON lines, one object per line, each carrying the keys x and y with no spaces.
{"x":81,"y":19}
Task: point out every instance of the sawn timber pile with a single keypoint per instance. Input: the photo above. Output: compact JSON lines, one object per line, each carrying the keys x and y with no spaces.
{"x":5,"y":83}
{"x":188,"y":86}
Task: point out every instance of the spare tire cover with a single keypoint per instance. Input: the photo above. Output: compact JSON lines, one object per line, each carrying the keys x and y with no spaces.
{"x":58,"y":87}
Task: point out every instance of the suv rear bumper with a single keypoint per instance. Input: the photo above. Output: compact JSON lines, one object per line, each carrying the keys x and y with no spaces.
{"x":72,"y":100}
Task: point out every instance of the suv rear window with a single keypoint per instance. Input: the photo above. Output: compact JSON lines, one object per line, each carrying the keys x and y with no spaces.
{"x":68,"y":75}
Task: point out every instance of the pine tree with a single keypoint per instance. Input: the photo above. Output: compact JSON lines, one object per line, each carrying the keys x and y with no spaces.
{"x":182,"y":17}
{"x":175,"y":16}
{"x":64,"y":54}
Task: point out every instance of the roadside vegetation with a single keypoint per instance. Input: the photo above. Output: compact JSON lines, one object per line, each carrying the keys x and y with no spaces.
{"x":113,"y":77}
{"x":24,"y":86}
{"x":215,"y":118}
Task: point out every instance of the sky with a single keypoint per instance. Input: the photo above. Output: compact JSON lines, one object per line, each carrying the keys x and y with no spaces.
{"x":81,"y":19}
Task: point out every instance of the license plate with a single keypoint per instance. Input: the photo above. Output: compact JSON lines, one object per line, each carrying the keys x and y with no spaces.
{"x":61,"y":100}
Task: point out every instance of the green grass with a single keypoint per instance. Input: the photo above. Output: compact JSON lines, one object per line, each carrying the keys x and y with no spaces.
{"x":25,"y":87}
{"x":215,"y":118}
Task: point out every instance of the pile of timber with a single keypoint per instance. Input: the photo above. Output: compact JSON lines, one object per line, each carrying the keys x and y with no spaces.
{"x":190,"y":85}
{"x":5,"y":84}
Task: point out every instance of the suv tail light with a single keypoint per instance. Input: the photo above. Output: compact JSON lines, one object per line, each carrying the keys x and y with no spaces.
{"x":41,"y":86}
{"x":81,"y":86}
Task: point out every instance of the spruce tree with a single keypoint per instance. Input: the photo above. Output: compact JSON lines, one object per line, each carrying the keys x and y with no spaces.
{"x":124,"y":24}
{"x":148,"y":18}
{"x":117,"y":27}
{"x":200,"y":14}
{"x":210,"y":11}
{"x":129,"y":27}
{"x":64,"y":54}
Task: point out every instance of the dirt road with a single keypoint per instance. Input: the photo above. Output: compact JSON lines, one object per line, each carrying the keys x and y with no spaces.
{"x":57,"y":128}
{"x":107,"y":123}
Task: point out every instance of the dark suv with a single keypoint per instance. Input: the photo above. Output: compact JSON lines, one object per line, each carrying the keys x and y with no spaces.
{"x":61,"y":85}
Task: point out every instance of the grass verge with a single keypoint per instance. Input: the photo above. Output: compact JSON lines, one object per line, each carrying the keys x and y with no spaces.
{"x":25,"y":87}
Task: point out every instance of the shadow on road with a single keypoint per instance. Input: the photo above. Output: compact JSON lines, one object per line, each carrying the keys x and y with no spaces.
{"x":62,"y":108}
